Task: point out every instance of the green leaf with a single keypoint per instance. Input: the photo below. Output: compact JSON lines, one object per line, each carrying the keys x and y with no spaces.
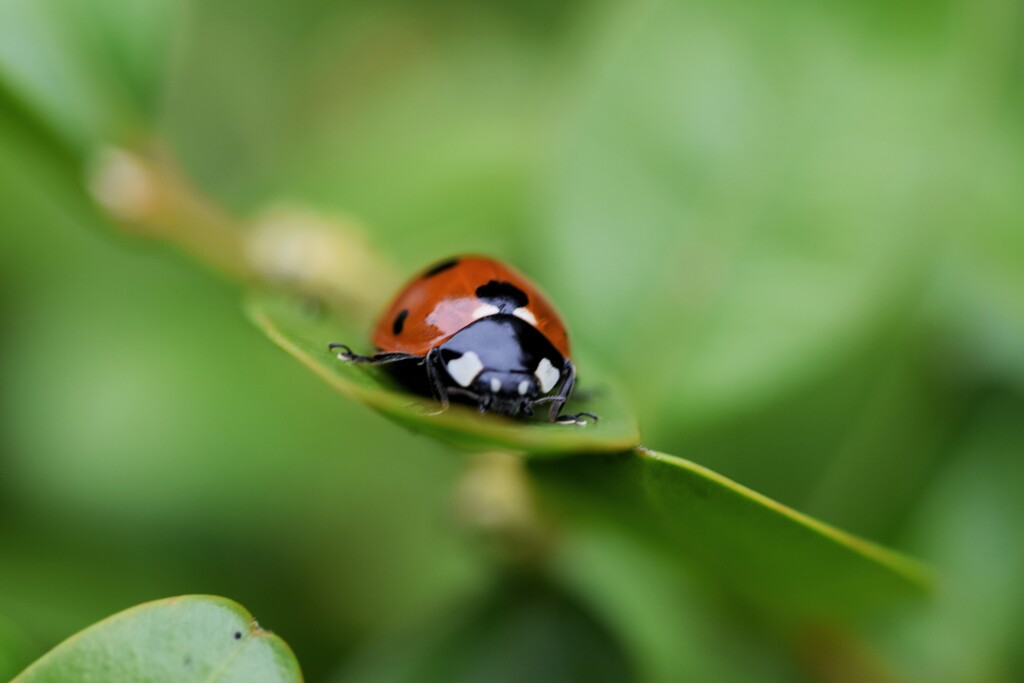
{"x":305,"y":333}
{"x":757,"y":548}
{"x":178,"y":640}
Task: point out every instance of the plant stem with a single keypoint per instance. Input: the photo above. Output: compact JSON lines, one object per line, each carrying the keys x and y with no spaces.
{"x":286,"y":247}
{"x":148,"y":197}
{"x":495,"y":501}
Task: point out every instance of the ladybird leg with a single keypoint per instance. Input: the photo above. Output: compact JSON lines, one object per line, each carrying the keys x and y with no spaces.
{"x":471,"y":395}
{"x":563,"y":393}
{"x":346,"y":353}
{"x":567,"y":419}
{"x":526,"y":407}
{"x":576,"y":419}
{"x":558,"y":401}
{"x":376,"y":359}
{"x":432,"y":361}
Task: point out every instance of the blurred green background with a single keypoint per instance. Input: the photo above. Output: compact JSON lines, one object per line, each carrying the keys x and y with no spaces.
{"x":794,"y":230}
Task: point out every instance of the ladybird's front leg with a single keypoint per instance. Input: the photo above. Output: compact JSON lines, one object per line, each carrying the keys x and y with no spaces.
{"x":433,"y":363}
{"x":346,"y":354}
{"x":558,"y":401}
{"x":577,"y":419}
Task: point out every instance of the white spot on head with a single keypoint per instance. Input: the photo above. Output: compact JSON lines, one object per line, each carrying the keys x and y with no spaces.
{"x":495,"y":385}
{"x":526,"y":314}
{"x":524,"y":386}
{"x":465,"y":368}
{"x":547,"y":374}
{"x":484,"y":310}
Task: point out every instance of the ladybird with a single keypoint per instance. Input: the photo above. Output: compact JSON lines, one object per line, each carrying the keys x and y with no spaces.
{"x":473,"y":330}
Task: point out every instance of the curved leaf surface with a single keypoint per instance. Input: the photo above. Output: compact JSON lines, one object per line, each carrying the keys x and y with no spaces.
{"x":305,"y":333}
{"x":756,"y":547}
{"x":179,"y":640}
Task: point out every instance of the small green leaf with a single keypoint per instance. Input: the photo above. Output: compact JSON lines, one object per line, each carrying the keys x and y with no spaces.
{"x":757,"y":548}
{"x":305,"y":333}
{"x":191,"y":638}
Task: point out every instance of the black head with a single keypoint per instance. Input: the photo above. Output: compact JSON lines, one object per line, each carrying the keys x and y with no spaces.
{"x":502,"y":363}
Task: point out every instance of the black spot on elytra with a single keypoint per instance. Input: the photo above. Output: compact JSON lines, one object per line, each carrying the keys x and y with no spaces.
{"x":238,"y":635}
{"x":505,"y":295}
{"x":399,"y":323}
{"x":441,"y":267}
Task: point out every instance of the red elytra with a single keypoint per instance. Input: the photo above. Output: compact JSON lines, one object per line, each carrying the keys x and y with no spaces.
{"x":443,"y":299}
